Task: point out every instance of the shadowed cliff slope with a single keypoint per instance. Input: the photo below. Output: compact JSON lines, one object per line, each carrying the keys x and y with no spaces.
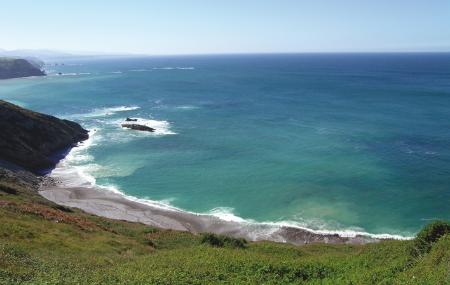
{"x":17,"y":67}
{"x":29,"y":139}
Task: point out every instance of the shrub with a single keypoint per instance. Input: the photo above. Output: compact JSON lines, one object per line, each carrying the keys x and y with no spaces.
{"x":221,"y":241}
{"x":428,"y":236}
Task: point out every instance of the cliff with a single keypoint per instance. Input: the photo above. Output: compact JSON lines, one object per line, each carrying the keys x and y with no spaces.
{"x":16,"y":67}
{"x":31,"y":140}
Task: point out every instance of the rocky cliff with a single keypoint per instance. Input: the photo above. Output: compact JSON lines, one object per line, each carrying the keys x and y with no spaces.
{"x":32,"y":140}
{"x":17,"y":67}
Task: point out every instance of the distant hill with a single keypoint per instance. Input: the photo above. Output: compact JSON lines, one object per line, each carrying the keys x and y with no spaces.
{"x":18,"y":67}
{"x":50,"y":56}
{"x":43,"y":54}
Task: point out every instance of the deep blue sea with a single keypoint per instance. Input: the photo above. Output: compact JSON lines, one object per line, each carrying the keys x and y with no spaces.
{"x":339,"y":142}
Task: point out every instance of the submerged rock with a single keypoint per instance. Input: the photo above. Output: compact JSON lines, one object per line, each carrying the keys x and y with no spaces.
{"x":130,"y":120}
{"x":138,"y":127}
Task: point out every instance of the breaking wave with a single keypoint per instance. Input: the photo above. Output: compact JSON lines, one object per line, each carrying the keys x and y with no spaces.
{"x":109,"y":111}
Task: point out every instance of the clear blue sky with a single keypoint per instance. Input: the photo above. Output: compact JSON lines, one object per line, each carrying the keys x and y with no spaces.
{"x":225,"y":26}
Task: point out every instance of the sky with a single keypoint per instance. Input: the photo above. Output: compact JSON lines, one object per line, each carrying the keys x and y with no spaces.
{"x":225,"y":26}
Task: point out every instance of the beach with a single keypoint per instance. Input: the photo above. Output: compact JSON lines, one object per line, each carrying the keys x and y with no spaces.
{"x":101,"y":202}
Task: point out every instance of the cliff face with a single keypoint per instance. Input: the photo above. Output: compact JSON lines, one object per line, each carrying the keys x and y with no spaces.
{"x":14,"y":68}
{"x":29,"y":139}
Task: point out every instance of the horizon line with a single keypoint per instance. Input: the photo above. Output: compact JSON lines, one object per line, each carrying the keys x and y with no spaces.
{"x":64,"y":53}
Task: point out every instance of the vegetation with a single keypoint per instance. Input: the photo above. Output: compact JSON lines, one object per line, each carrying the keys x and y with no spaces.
{"x":43,"y":243}
{"x":428,"y":236}
{"x":221,"y":241}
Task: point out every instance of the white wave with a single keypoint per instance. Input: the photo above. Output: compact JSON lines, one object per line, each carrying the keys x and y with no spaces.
{"x":139,"y":70}
{"x":73,"y":167}
{"x":102,"y":112}
{"x":181,"y":108}
{"x":68,"y":74}
{"x":172,"y":68}
{"x":55,"y":73}
{"x":187,"y":107}
{"x":116,"y":72}
{"x":226,"y":214}
{"x":341,"y":233}
{"x":161,"y":127}
{"x":78,"y":153}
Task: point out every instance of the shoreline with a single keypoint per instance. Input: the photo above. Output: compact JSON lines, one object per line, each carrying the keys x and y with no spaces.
{"x":106,"y":203}
{"x":67,"y":185}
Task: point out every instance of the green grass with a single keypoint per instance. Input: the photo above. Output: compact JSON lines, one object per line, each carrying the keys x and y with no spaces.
{"x":42,"y":243}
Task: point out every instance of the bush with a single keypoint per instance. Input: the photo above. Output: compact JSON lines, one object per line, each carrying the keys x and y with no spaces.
{"x":430,"y":234}
{"x":221,"y":241}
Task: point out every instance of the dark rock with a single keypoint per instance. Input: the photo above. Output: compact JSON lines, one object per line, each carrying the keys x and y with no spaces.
{"x":138,"y":127}
{"x":130,"y":120}
{"x":30,"y":140}
{"x":18,"y":67}
{"x":20,"y":178}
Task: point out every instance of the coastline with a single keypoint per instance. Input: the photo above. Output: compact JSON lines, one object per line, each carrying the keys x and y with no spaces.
{"x":101,"y":202}
{"x":67,"y":185}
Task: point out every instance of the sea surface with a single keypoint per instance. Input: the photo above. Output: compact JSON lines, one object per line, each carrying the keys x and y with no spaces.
{"x":331,"y":142}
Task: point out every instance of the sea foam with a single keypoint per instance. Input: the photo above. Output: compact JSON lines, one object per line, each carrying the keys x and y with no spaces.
{"x":109,"y":111}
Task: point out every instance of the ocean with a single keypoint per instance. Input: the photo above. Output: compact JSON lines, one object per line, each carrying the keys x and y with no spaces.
{"x":330,"y":142}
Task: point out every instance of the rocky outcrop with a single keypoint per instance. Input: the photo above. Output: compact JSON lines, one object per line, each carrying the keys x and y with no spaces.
{"x":138,"y":127}
{"x":17,"y":67}
{"x":35,"y":141}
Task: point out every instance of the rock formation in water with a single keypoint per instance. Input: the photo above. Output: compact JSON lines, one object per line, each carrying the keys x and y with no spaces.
{"x":138,"y":127}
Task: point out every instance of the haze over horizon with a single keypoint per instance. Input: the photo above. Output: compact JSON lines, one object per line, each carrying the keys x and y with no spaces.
{"x":201,"y":27}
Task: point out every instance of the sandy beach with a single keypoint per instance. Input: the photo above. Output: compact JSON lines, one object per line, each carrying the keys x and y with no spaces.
{"x":112,"y":205}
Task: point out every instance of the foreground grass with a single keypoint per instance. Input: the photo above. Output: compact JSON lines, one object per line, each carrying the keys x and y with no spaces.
{"x":42,"y":243}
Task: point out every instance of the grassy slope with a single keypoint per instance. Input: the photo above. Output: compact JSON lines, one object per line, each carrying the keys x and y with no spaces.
{"x":42,"y":243}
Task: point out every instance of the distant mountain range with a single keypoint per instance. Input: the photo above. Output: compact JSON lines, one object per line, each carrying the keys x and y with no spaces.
{"x":33,"y":54}
{"x":52,"y":55}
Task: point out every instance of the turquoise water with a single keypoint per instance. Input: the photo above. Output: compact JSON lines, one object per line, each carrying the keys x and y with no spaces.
{"x":331,"y":142}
